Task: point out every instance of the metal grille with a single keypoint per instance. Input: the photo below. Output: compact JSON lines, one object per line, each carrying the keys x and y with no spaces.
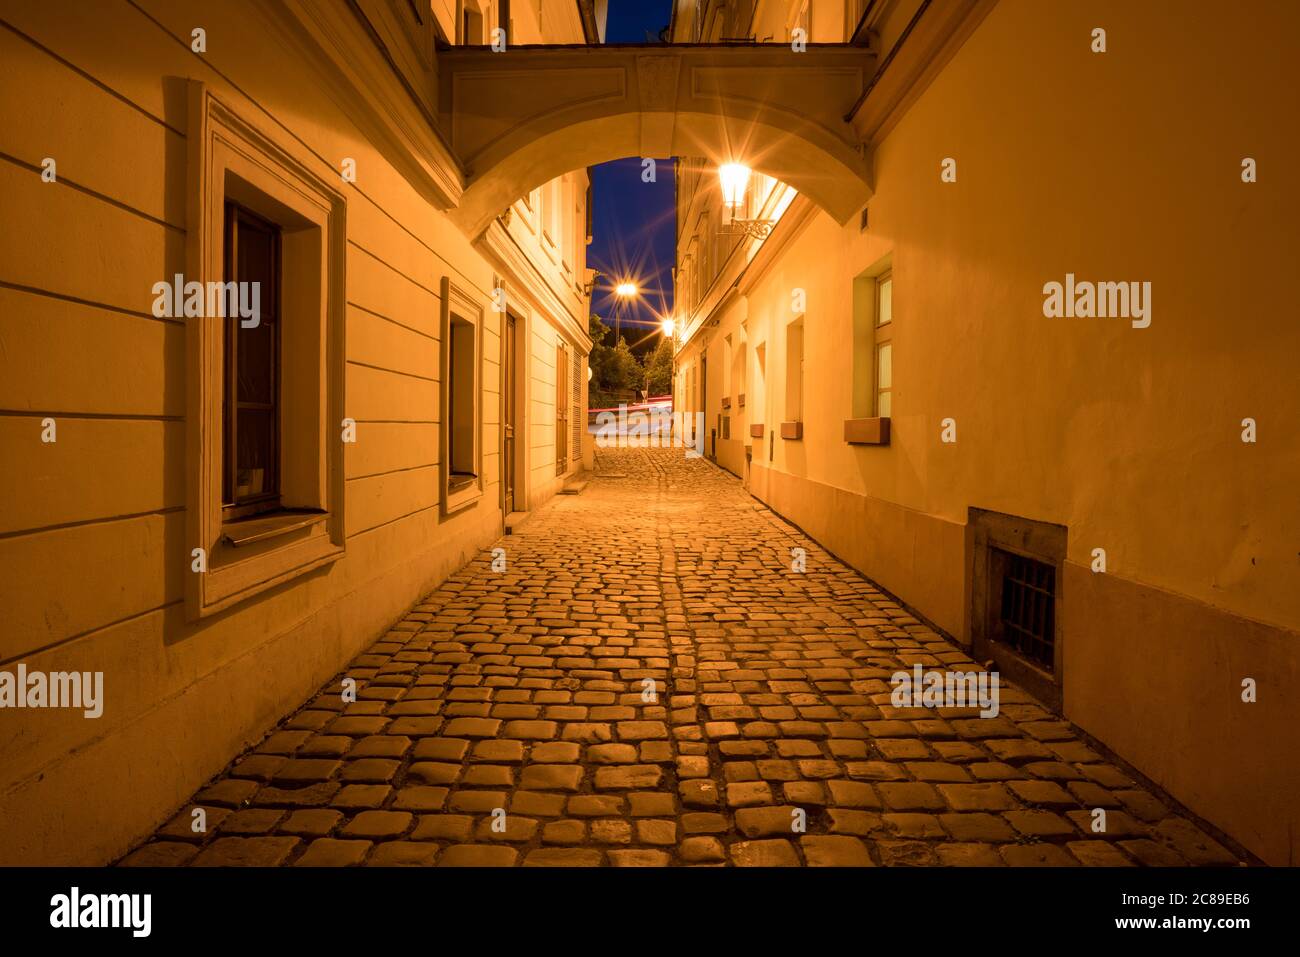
{"x":1028,"y":615}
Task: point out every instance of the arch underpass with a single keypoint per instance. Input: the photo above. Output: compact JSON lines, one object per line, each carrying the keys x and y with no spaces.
{"x":518,"y":121}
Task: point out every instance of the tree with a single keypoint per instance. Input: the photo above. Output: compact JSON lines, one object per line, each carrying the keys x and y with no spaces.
{"x":600,"y":356}
{"x":616,"y":372}
{"x":659,"y":369}
{"x":625,"y":371}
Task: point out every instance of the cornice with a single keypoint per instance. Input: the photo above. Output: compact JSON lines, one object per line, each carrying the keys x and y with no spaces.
{"x":798,"y":215}
{"x":374,"y":94}
{"x":935,"y":33}
{"x":522,"y":273}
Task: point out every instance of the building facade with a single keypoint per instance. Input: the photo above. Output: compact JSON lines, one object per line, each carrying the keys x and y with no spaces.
{"x":217,"y":516}
{"x":906,"y":387}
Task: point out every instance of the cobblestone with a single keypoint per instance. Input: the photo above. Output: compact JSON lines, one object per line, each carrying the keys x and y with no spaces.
{"x":648,"y":684}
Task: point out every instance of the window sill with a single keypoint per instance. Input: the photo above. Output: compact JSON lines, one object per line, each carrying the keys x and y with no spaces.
{"x":792,"y":431}
{"x":460,"y":481}
{"x":740,"y":400}
{"x":259,"y":528}
{"x":756,"y":431}
{"x":872,"y":431}
{"x":726,"y":402}
{"x":459,"y":495}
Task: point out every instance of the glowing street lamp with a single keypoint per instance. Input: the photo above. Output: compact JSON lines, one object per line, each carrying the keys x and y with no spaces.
{"x":626,"y":290}
{"x":667,"y":327}
{"x":734,"y":178}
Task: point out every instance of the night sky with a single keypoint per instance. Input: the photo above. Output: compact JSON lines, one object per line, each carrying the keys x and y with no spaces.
{"x":633,"y":223}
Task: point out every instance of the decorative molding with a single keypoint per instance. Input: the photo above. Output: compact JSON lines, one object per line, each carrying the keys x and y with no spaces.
{"x":930,"y":40}
{"x":374,"y":94}
{"x":505,"y":254}
{"x":656,"y":81}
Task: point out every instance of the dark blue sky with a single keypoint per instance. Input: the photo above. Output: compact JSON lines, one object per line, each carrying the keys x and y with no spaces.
{"x":634,"y":222}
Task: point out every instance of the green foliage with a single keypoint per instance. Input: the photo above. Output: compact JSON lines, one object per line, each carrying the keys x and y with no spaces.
{"x":616,"y":373}
{"x":659,"y":369}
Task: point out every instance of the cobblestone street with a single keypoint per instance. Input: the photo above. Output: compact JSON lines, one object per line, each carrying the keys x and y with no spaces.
{"x":506,"y":719}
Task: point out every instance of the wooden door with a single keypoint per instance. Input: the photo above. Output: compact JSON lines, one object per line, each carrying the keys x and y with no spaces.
{"x":511,"y":404}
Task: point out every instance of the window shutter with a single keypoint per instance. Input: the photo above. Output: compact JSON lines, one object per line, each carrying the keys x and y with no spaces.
{"x":577,"y":420}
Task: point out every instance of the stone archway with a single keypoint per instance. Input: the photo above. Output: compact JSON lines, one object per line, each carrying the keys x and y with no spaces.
{"x":517,"y":120}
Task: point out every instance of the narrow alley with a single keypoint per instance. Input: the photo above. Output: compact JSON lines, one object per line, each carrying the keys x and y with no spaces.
{"x":649,"y":681}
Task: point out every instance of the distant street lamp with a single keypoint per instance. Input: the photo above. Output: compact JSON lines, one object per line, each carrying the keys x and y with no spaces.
{"x":625,"y":290}
{"x":667,"y":327}
{"x":734,"y":178}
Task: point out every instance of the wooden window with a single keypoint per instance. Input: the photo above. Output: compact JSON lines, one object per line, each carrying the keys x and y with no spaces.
{"x":884,"y":364}
{"x":460,"y":403}
{"x":561,"y":408}
{"x":250,"y":401}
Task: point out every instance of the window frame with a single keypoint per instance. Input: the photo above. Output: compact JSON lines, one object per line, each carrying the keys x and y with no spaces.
{"x":882,"y":335}
{"x":458,"y":305}
{"x":562,"y":372}
{"x":230,"y":157}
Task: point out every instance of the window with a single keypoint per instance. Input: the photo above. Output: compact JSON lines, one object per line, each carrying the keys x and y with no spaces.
{"x":460,"y":402}
{"x":758,"y":405}
{"x":726,"y":372}
{"x":738,"y":374}
{"x":873,"y":355}
{"x":561,"y":408}
{"x":884,"y":344}
{"x":471,"y":23}
{"x":461,"y":456}
{"x":794,"y":371}
{"x":264,"y":495}
{"x":250,"y":397}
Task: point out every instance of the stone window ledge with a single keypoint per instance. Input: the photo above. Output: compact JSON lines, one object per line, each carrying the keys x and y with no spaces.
{"x":870,"y":431}
{"x":792,"y":431}
{"x":259,"y":528}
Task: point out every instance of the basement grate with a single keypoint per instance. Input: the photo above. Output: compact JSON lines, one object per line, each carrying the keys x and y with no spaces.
{"x":1028,"y":612}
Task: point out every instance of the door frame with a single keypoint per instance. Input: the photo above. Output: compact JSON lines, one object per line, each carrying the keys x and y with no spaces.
{"x":523,"y":397}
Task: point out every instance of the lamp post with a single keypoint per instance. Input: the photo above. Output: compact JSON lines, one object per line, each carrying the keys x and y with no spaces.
{"x":734,"y":179}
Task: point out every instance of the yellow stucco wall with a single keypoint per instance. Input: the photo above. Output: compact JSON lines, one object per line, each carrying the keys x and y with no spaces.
{"x":1122,"y":166}
{"x":93,"y":549}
